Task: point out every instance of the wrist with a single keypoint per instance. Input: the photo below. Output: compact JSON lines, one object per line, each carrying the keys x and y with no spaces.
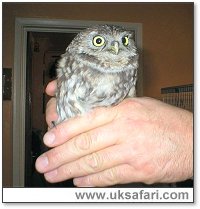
{"x":178,"y":164}
{"x":185,"y":148}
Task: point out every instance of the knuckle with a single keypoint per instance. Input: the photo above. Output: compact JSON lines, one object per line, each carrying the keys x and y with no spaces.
{"x":85,"y":141}
{"x":82,"y":142}
{"x":94,"y":162}
{"x":114,"y":175}
{"x":111,"y":175}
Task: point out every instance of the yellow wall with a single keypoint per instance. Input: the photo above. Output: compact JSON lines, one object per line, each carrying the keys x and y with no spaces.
{"x":167,"y":43}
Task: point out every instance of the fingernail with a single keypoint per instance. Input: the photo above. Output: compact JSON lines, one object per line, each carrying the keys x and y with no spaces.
{"x":49,"y":138}
{"x":41,"y":163}
{"x":77,"y":182}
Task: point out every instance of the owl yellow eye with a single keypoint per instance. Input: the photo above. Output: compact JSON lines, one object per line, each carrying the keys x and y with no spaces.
{"x":125,"y":40}
{"x":98,"y":41}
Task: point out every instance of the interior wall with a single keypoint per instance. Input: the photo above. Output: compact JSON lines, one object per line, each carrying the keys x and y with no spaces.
{"x":167,"y":43}
{"x":7,"y":144}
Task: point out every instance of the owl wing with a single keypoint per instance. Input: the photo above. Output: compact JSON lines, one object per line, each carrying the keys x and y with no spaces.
{"x":132,"y":92}
{"x":86,"y":93}
{"x":75,"y":89}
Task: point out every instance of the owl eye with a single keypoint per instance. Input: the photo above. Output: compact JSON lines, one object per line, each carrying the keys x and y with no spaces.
{"x":98,"y":41}
{"x":125,"y":40}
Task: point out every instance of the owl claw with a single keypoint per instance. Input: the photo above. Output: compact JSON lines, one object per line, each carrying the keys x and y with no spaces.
{"x":53,"y":124}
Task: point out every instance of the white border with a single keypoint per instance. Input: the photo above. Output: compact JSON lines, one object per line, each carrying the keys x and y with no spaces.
{"x":69,"y":195}
{"x":197,"y":121}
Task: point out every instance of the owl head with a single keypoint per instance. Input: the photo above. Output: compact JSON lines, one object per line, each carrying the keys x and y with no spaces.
{"x":107,"y":48}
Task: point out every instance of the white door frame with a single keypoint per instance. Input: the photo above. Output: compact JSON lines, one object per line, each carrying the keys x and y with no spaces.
{"x":22,"y":27}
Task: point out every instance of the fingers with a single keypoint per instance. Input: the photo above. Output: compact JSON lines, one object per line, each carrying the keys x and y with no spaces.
{"x":89,"y":164}
{"x":77,"y":147}
{"x":51,"y":88}
{"x":51,"y":114}
{"x":120,"y":174}
{"x":75,"y":126}
{"x":108,"y":177}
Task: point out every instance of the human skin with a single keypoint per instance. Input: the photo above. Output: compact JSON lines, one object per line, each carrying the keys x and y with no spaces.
{"x":139,"y":140}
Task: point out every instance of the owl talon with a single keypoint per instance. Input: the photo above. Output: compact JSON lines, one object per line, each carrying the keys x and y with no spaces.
{"x":53,"y":124}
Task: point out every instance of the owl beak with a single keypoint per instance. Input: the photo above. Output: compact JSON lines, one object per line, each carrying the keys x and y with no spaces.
{"x":115,"y":47}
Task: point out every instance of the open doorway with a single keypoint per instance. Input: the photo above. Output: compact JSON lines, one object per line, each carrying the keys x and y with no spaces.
{"x":43,"y":52}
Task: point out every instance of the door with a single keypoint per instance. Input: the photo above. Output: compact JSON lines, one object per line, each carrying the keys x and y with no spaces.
{"x":28,"y":124}
{"x":43,"y":52}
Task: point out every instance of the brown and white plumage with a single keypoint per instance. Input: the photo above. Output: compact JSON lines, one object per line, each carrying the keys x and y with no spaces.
{"x":99,"y":68}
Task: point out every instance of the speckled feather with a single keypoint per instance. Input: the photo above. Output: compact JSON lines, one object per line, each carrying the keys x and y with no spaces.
{"x":90,"y":76}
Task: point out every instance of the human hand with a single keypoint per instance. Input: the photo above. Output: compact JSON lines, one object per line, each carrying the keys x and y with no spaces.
{"x":139,"y":140}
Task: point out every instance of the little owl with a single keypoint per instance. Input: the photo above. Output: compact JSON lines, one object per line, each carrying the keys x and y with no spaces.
{"x":99,"y":68}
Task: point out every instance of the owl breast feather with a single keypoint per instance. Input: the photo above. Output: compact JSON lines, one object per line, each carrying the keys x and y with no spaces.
{"x":82,"y":88}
